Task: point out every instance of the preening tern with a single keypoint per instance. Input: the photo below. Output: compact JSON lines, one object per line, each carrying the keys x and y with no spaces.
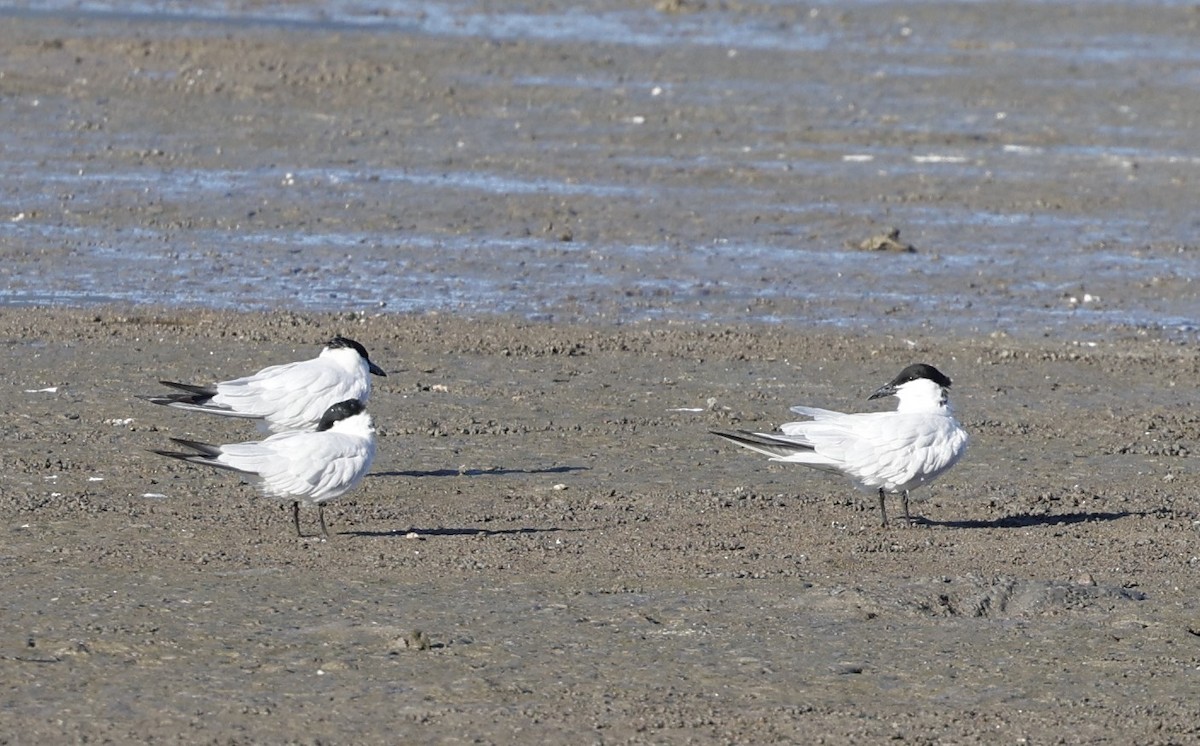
{"x":310,"y":467}
{"x":885,"y":451}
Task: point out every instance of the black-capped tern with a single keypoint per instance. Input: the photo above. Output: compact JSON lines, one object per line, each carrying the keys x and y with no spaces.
{"x":309,"y":467}
{"x":879,"y":451}
{"x":284,"y":398}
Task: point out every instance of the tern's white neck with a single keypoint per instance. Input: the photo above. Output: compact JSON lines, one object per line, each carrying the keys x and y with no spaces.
{"x":922,"y":396}
{"x":360,"y":424}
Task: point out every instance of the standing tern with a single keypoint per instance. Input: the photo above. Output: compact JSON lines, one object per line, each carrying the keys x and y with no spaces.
{"x":885,"y":451}
{"x":288,"y":397}
{"x":311,"y":467}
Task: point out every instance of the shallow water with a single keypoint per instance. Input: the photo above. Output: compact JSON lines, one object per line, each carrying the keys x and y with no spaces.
{"x":632,"y":165}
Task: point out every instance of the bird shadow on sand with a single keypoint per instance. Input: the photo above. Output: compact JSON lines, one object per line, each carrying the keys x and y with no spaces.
{"x":1025,"y":520}
{"x":420,"y":533}
{"x":477,"y":472}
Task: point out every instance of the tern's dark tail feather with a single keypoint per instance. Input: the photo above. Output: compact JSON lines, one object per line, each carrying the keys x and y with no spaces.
{"x":201,"y":449}
{"x":201,"y":453}
{"x":763,"y":444}
{"x":197,"y":399}
{"x":194,"y":397}
{"x":199,"y":392}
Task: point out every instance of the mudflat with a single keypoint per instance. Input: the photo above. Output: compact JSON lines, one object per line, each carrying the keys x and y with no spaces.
{"x":551,"y":548}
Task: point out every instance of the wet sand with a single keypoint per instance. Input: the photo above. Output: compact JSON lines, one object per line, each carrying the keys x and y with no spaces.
{"x":581,"y":560}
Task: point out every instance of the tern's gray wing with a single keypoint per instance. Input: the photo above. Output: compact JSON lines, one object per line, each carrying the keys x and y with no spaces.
{"x":292,"y":396}
{"x":817,"y":413}
{"x":892,"y":450}
{"x":307,"y":466}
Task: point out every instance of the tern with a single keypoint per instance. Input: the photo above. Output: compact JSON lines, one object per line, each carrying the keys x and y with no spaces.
{"x":310,"y":467}
{"x":886,"y":451}
{"x":284,"y":398}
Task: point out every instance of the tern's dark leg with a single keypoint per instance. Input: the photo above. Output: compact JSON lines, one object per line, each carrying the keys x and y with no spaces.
{"x":321,"y":518}
{"x":906,"y":516}
{"x":296,"y":518}
{"x":882,"y":509}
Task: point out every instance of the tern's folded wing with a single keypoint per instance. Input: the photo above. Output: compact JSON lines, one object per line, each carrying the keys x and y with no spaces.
{"x":817,"y":414}
{"x":313,"y":466}
{"x":296,"y":394}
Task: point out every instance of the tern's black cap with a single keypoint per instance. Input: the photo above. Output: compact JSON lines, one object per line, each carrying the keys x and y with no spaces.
{"x":340,"y":342}
{"x":913,"y":372}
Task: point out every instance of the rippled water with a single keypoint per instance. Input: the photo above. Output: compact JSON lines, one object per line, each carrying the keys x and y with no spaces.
{"x":1045,"y":170}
